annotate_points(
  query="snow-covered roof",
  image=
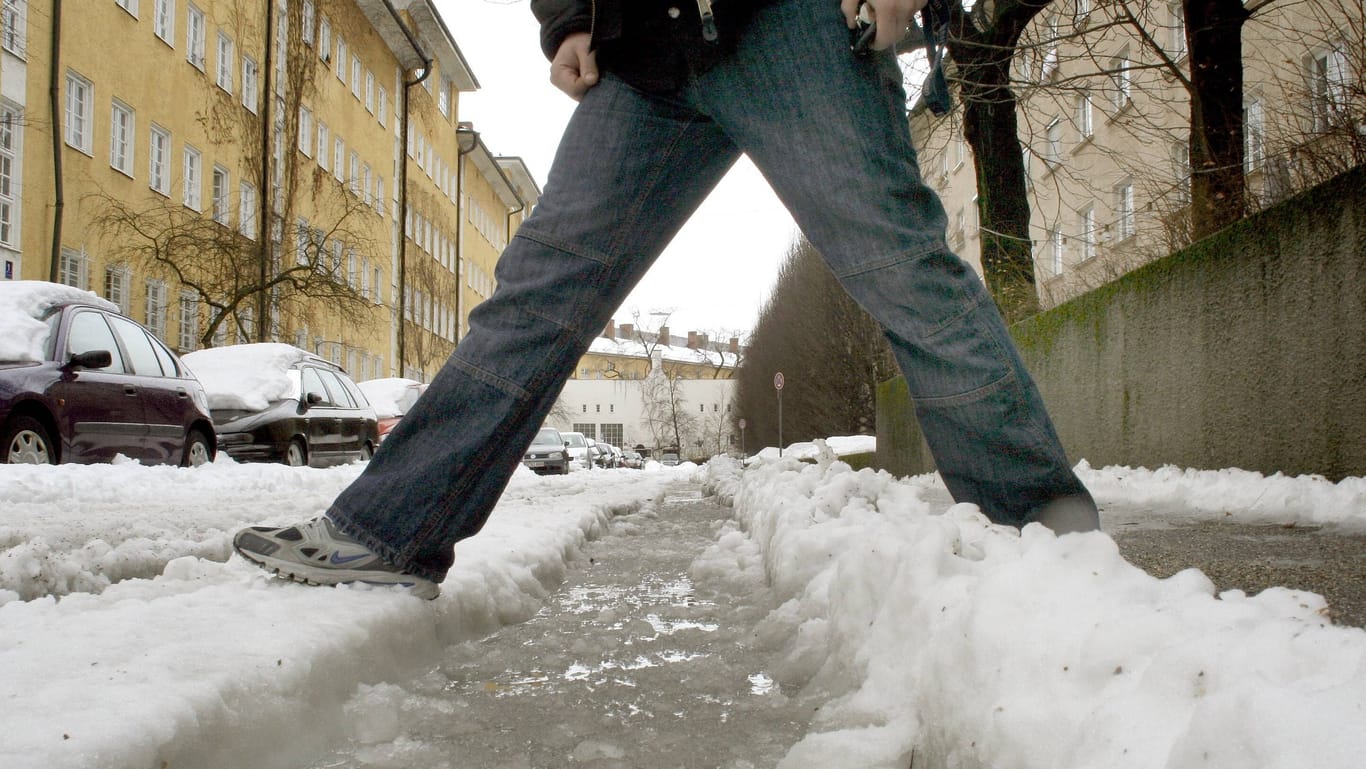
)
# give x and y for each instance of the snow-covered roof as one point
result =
(247, 376)
(633, 348)
(22, 303)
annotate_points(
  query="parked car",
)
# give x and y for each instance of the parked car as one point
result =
(632, 459)
(81, 383)
(391, 398)
(277, 403)
(578, 450)
(669, 458)
(547, 453)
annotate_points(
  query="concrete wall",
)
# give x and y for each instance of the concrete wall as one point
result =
(1246, 350)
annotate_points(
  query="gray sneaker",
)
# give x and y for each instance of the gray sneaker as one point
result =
(316, 552)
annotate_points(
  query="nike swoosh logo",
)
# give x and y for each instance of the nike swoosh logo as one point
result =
(339, 559)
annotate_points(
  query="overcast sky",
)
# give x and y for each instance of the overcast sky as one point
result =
(719, 269)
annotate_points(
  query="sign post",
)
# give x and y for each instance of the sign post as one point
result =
(778, 385)
(743, 455)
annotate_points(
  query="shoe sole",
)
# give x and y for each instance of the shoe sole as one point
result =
(291, 571)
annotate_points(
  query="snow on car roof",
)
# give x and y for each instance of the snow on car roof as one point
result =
(22, 303)
(384, 394)
(246, 376)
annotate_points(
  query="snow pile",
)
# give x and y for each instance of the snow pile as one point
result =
(947, 641)
(1246, 496)
(839, 445)
(170, 656)
(22, 304)
(247, 376)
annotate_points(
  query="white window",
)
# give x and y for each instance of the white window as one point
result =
(1328, 79)
(227, 62)
(365, 185)
(1124, 210)
(193, 178)
(338, 157)
(1176, 31)
(342, 60)
(382, 113)
(356, 70)
(443, 98)
(156, 308)
(189, 321)
(158, 160)
(251, 95)
(370, 91)
(307, 21)
(306, 131)
(221, 189)
(1086, 226)
(80, 95)
(121, 139)
(1053, 143)
(130, 6)
(246, 209)
(379, 194)
(1254, 135)
(1181, 160)
(324, 139)
(194, 36)
(116, 281)
(12, 26)
(354, 177)
(325, 39)
(10, 126)
(163, 20)
(1049, 66)
(1086, 124)
(1121, 81)
(74, 269)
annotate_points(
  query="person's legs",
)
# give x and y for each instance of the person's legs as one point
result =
(629, 171)
(829, 131)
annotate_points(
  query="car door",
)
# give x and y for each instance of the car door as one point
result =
(324, 423)
(351, 421)
(100, 414)
(167, 404)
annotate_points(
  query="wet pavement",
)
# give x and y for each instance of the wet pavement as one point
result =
(629, 664)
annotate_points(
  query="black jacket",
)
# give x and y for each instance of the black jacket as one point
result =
(652, 44)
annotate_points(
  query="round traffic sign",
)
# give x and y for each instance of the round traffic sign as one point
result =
(778, 381)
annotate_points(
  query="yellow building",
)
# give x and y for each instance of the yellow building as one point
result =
(135, 162)
(1104, 123)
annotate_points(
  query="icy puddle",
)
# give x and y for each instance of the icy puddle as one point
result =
(629, 664)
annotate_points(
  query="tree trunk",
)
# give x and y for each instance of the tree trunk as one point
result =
(1214, 30)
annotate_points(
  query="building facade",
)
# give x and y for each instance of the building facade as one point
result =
(1104, 122)
(229, 172)
(653, 391)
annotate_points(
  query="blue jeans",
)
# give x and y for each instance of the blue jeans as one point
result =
(829, 132)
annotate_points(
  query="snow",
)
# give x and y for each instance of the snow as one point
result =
(22, 304)
(386, 393)
(130, 638)
(247, 376)
(636, 349)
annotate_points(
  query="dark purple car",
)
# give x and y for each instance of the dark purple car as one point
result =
(104, 386)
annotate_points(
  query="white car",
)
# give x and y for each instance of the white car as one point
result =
(578, 450)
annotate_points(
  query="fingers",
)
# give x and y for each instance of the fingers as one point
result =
(575, 67)
(892, 18)
(850, 10)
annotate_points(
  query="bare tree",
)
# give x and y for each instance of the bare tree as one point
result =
(263, 268)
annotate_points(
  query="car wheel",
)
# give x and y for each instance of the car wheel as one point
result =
(197, 450)
(366, 452)
(26, 442)
(297, 455)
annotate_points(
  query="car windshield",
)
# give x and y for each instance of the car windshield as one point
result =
(548, 437)
(576, 440)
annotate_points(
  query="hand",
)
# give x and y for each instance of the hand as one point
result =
(892, 18)
(575, 67)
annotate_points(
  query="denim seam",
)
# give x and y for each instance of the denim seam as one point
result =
(490, 378)
(559, 245)
(971, 396)
(900, 258)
